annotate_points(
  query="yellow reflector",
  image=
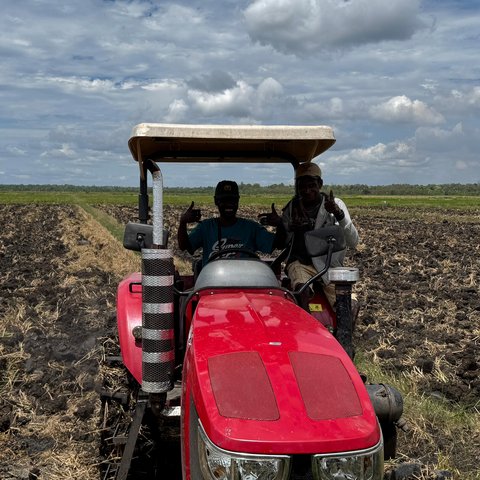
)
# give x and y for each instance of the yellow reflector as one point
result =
(315, 307)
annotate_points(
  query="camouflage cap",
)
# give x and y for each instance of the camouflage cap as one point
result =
(308, 169)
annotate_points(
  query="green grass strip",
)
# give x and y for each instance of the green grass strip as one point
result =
(114, 227)
(128, 198)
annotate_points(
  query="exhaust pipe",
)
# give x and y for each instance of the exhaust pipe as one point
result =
(158, 343)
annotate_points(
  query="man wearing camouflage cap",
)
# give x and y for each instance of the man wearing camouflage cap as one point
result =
(311, 209)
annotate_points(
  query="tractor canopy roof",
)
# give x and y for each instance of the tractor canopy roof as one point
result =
(229, 143)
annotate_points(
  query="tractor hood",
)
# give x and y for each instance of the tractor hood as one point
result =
(269, 378)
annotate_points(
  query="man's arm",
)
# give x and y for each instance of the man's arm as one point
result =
(351, 233)
(189, 216)
(339, 210)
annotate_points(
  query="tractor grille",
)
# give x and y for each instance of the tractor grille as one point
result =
(301, 467)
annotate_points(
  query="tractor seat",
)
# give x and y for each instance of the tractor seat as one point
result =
(239, 272)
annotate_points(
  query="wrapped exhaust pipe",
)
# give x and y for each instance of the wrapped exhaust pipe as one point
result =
(158, 343)
(158, 346)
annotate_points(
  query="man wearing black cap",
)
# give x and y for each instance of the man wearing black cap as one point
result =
(311, 209)
(225, 231)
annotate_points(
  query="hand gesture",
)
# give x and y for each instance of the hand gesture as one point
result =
(271, 218)
(191, 215)
(332, 207)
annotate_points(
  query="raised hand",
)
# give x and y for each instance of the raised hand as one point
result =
(332, 207)
(271, 218)
(191, 215)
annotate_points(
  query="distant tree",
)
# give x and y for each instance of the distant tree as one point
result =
(469, 189)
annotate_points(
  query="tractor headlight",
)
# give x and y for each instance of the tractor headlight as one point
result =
(218, 464)
(361, 465)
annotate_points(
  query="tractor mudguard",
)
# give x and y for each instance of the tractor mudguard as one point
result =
(129, 316)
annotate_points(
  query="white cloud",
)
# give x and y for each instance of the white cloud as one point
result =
(176, 111)
(65, 150)
(336, 106)
(268, 91)
(402, 109)
(242, 100)
(16, 151)
(306, 26)
(443, 141)
(397, 154)
(162, 85)
(466, 100)
(432, 155)
(430, 85)
(75, 83)
(234, 101)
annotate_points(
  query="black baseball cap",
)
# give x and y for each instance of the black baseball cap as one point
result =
(227, 189)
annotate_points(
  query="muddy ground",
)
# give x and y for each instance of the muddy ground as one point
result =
(420, 319)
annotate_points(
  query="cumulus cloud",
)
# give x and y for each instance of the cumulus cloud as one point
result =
(268, 93)
(403, 109)
(177, 111)
(65, 150)
(441, 140)
(465, 100)
(164, 85)
(398, 153)
(431, 155)
(394, 162)
(305, 26)
(234, 101)
(76, 83)
(15, 151)
(241, 100)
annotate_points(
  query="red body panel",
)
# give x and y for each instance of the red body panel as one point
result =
(129, 315)
(322, 311)
(263, 332)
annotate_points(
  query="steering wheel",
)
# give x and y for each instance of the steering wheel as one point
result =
(224, 251)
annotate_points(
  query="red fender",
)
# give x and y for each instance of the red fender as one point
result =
(129, 316)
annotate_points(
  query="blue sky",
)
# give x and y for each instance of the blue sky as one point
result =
(398, 80)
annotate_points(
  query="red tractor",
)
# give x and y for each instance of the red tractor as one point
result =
(225, 360)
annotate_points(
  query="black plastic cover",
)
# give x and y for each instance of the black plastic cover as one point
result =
(140, 235)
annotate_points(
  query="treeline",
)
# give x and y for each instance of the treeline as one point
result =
(280, 189)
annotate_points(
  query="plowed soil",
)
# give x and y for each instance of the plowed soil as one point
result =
(420, 319)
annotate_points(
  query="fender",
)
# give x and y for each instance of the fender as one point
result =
(129, 316)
